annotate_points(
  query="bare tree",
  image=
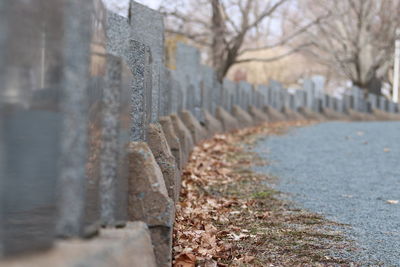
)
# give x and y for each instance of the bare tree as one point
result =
(226, 27)
(356, 40)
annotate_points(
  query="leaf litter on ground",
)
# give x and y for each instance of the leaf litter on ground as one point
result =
(229, 216)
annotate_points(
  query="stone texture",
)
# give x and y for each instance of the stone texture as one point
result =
(164, 158)
(384, 116)
(185, 137)
(259, 117)
(147, 27)
(212, 125)
(126, 247)
(310, 115)
(148, 200)
(228, 122)
(291, 115)
(244, 119)
(331, 114)
(172, 139)
(273, 114)
(196, 130)
(357, 116)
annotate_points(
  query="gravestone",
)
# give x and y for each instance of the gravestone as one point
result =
(167, 101)
(228, 94)
(147, 28)
(373, 101)
(264, 90)
(31, 70)
(382, 102)
(308, 86)
(245, 90)
(137, 57)
(85, 67)
(188, 75)
(207, 87)
(275, 89)
(300, 98)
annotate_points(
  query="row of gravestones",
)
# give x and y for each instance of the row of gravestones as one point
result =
(78, 85)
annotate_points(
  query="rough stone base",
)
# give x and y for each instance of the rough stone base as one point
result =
(273, 114)
(358, 116)
(126, 247)
(259, 117)
(331, 114)
(310, 115)
(172, 139)
(185, 138)
(385, 116)
(244, 118)
(228, 122)
(196, 130)
(291, 115)
(165, 160)
(212, 125)
(148, 199)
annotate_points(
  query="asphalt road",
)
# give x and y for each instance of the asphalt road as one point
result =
(349, 172)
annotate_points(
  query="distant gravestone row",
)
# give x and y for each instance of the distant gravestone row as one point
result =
(79, 84)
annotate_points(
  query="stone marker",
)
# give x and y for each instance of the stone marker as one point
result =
(258, 116)
(31, 71)
(173, 140)
(211, 124)
(228, 94)
(85, 66)
(245, 90)
(196, 130)
(184, 136)
(229, 123)
(188, 74)
(164, 158)
(149, 201)
(147, 27)
(138, 58)
(273, 114)
(116, 136)
(127, 247)
(244, 118)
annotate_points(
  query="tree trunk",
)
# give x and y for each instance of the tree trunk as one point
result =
(218, 31)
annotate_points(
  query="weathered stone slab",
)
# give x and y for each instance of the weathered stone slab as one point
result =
(228, 122)
(116, 136)
(245, 90)
(258, 116)
(273, 114)
(147, 27)
(85, 60)
(139, 60)
(207, 85)
(127, 247)
(310, 115)
(173, 140)
(164, 158)
(188, 74)
(309, 87)
(291, 115)
(212, 125)
(31, 72)
(185, 137)
(149, 201)
(274, 97)
(228, 95)
(196, 130)
(264, 91)
(244, 118)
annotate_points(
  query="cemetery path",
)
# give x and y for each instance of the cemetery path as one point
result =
(347, 172)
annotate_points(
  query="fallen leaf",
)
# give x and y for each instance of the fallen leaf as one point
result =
(185, 260)
(386, 149)
(390, 201)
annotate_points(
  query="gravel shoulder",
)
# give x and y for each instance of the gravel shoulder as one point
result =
(347, 172)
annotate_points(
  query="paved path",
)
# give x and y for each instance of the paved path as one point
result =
(347, 172)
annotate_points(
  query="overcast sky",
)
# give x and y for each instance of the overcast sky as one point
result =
(121, 6)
